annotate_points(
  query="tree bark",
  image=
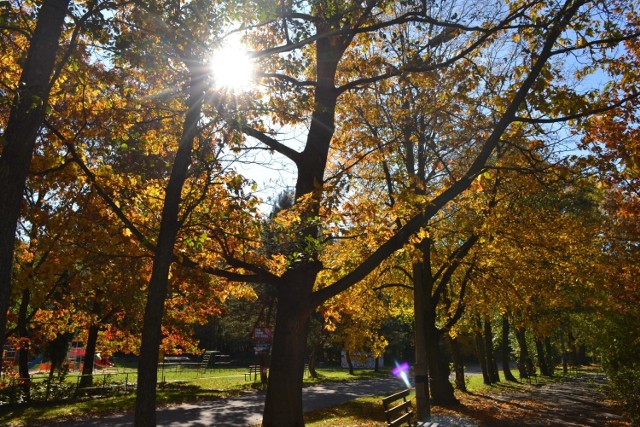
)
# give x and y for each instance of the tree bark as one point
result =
(283, 403)
(25, 119)
(549, 356)
(458, 367)
(506, 351)
(492, 365)
(145, 414)
(442, 392)
(421, 302)
(565, 368)
(347, 355)
(480, 349)
(542, 362)
(89, 355)
(523, 357)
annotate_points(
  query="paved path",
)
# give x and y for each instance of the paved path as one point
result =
(570, 402)
(246, 410)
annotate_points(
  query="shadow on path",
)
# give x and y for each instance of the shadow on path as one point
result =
(569, 402)
(246, 410)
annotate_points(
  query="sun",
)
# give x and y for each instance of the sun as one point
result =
(231, 67)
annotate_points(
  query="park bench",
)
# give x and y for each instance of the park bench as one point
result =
(398, 410)
(253, 370)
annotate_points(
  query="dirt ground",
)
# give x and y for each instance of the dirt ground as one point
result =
(573, 401)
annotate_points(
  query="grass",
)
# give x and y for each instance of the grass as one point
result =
(367, 412)
(184, 385)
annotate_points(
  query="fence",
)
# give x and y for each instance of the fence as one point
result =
(46, 389)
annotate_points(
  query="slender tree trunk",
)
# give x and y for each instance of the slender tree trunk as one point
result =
(480, 349)
(23, 351)
(573, 352)
(347, 355)
(25, 119)
(565, 368)
(549, 356)
(492, 365)
(523, 356)
(542, 362)
(145, 414)
(89, 356)
(506, 351)
(458, 367)
(313, 359)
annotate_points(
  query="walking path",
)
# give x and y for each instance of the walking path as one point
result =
(247, 410)
(569, 402)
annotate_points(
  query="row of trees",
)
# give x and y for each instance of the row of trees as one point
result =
(431, 145)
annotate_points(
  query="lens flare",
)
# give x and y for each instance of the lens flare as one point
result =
(402, 371)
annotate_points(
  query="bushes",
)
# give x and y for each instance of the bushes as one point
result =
(619, 348)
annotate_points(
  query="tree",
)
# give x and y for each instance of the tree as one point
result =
(27, 114)
(337, 32)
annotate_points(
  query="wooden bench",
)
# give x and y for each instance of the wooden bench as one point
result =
(398, 410)
(252, 370)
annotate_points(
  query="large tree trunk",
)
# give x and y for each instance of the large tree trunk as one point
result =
(492, 365)
(283, 404)
(442, 392)
(506, 351)
(89, 355)
(145, 415)
(458, 367)
(25, 119)
(421, 302)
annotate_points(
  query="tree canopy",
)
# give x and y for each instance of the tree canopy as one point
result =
(470, 152)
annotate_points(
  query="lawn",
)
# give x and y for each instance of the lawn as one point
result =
(178, 385)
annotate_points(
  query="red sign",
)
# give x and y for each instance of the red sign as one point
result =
(261, 335)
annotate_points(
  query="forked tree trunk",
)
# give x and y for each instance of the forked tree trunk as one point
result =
(283, 403)
(506, 351)
(25, 119)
